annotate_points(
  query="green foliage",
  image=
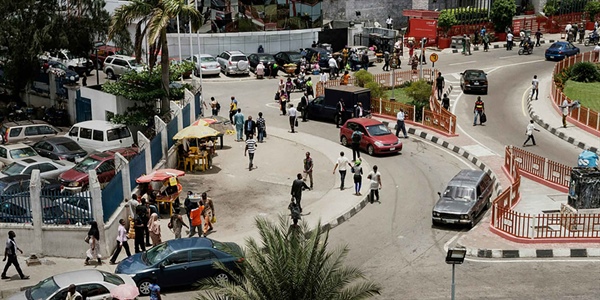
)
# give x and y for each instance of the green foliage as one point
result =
(561, 77)
(464, 15)
(446, 20)
(419, 91)
(571, 6)
(551, 8)
(529, 7)
(592, 8)
(502, 13)
(363, 77)
(585, 72)
(586, 93)
(376, 90)
(290, 262)
(180, 68)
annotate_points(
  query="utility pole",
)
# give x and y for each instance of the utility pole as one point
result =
(422, 58)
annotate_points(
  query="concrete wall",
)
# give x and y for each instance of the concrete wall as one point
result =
(374, 11)
(103, 102)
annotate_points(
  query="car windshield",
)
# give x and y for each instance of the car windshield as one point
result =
(295, 56)
(67, 147)
(13, 169)
(460, 193)
(266, 58)
(156, 254)
(379, 129)
(555, 46)
(205, 59)
(43, 290)
(238, 58)
(87, 164)
(133, 63)
(475, 75)
(22, 152)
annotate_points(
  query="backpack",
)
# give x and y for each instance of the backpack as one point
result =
(355, 137)
(218, 106)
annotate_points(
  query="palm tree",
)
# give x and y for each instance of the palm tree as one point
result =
(290, 262)
(153, 18)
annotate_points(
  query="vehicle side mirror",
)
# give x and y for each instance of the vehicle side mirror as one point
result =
(440, 194)
(461, 73)
(162, 265)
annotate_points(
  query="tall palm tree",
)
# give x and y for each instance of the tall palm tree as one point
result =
(291, 262)
(153, 17)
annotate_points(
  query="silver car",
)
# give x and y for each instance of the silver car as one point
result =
(207, 63)
(117, 65)
(465, 198)
(93, 283)
(49, 169)
(234, 62)
(9, 153)
(370, 53)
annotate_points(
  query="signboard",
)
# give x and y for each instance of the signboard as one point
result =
(433, 57)
(421, 28)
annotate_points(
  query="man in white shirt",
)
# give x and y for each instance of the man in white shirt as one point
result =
(400, 123)
(529, 132)
(389, 21)
(375, 184)
(596, 52)
(333, 67)
(292, 112)
(535, 83)
(565, 111)
(72, 293)
(341, 164)
(509, 41)
(121, 242)
(522, 37)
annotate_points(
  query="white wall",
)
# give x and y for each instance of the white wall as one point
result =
(103, 102)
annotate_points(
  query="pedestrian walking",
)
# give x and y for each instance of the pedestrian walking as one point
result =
(324, 77)
(356, 137)
(72, 293)
(121, 242)
(534, 87)
(414, 63)
(154, 290)
(486, 43)
(293, 113)
(596, 52)
(139, 229)
(446, 102)
(464, 44)
(208, 212)
(400, 116)
(386, 61)
(94, 242)
(341, 164)
(154, 227)
(375, 184)
(565, 111)
(289, 86)
(298, 185)
(440, 83)
(303, 106)
(478, 110)
(308, 168)
(538, 37)
(249, 127)
(283, 100)
(340, 110)
(176, 223)
(215, 106)
(233, 108)
(238, 119)
(509, 41)
(309, 88)
(249, 150)
(357, 170)
(261, 126)
(196, 215)
(468, 44)
(294, 211)
(10, 256)
(529, 133)
(188, 205)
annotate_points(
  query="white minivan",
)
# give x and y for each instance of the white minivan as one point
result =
(100, 135)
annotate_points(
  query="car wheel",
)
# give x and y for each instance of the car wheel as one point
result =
(344, 140)
(144, 287)
(110, 74)
(222, 278)
(488, 204)
(371, 150)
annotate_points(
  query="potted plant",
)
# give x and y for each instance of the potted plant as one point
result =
(529, 9)
(502, 14)
(445, 21)
(592, 8)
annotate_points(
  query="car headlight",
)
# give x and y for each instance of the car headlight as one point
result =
(398, 141)
(436, 214)
(464, 217)
(379, 144)
(74, 183)
(72, 78)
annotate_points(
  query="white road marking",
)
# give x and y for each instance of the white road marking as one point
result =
(510, 56)
(516, 64)
(463, 63)
(456, 75)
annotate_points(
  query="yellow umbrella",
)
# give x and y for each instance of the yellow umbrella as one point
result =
(195, 132)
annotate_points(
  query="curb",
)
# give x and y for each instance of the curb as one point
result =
(534, 253)
(495, 45)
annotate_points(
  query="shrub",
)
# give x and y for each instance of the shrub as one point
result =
(419, 91)
(446, 20)
(592, 8)
(561, 77)
(584, 72)
(376, 90)
(550, 8)
(502, 13)
(363, 77)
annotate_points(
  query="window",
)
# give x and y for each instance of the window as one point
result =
(13, 169)
(108, 60)
(67, 146)
(46, 167)
(3, 152)
(98, 135)
(111, 278)
(14, 132)
(177, 258)
(46, 130)
(106, 167)
(85, 133)
(118, 133)
(74, 131)
(31, 130)
(15, 188)
(120, 62)
(93, 290)
(201, 255)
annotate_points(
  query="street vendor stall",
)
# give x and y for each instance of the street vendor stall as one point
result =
(166, 184)
(195, 158)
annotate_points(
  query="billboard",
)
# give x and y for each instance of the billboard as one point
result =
(419, 28)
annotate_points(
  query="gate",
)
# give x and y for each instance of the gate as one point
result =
(112, 196)
(137, 167)
(83, 107)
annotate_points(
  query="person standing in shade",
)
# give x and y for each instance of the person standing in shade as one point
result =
(298, 185)
(440, 84)
(400, 123)
(375, 178)
(121, 242)
(529, 132)
(209, 213)
(356, 137)
(534, 87)
(446, 102)
(139, 228)
(261, 126)
(357, 169)
(238, 120)
(233, 106)
(340, 110)
(478, 110)
(249, 127)
(308, 168)
(10, 256)
(196, 215)
(292, 113)
(176, 223)
(342, 163)
(249, 150)
(94, 242)
(303, 106)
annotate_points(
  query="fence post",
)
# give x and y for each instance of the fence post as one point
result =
(97, 211)
(160, 127)
(532, 227)
(176, 111)
(546, 173)
(144, 144)
(122, 165)
(35, 188)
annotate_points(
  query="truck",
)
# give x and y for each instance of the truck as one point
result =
(324, 107)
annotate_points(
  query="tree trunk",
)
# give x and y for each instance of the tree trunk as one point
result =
(164, 64)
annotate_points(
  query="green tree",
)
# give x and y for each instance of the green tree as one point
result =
(291, 262)
(153, 17)
(502, 13)
(419, 91)
(446, 20)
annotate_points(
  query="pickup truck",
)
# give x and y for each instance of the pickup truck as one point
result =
(81, 65)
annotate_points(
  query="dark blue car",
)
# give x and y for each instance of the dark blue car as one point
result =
(560, 50)
(181, 262)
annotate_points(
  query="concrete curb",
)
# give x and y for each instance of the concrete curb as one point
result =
(537, 119)
(534, 253)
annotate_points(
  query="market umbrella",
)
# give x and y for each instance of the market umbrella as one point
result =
(195, 132)
(125, 292)
(201, 122)
(160, 175)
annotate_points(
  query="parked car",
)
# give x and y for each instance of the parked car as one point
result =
(561, 50)
(100, 135)
(255, 58)
(76, 207)
(59, 148)
(465, 198)
(93, 283)
(208, 64)
(103, 51)
(16, 184)
(474, 81)
(233, 62)
(27, 132)
(49, 169)
(12, 152)
(180, 262)
(117, 65)
(288, 57)
(77, 178)
(372, 55)
(14, 210)
(321, 55)
(81, 65)
(70, 75)
(376, 139)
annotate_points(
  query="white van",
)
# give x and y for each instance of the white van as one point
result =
(100, 135)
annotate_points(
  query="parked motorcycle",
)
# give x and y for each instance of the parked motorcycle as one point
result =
(17, 113)
(591, 39)
(300, 83)
(56, 117)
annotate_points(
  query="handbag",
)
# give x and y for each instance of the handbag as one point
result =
(214, 219)
(483, 118)
(296, 123)
(87, 239)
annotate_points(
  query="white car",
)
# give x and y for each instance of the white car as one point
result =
(49, 169)
(93, 283)
(12, 152)
(80, 65)
(208, 64)
(370, 53)
(117, 65)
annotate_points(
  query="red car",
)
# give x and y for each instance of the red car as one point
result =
(376, 139)
(76, 179)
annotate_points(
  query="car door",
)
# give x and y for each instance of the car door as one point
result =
(94, 291)
(366, 138)
(48, 170)
(253, 59)
(315, 108)
(44, 149)
(174, 270)
(31, 134)
(201, 263)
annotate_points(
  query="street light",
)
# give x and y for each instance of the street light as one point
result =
(455, 256)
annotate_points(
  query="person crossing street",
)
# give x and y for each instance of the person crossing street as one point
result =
(478, 111)
(529, 132)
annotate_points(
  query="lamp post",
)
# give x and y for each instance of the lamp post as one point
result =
(422, 58)
(455, 256)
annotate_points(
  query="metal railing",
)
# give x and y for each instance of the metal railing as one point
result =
(56, 207)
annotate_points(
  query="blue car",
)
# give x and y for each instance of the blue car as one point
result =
(560, 50)
(181, 262)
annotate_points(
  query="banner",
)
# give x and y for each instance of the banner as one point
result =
(419, 28)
